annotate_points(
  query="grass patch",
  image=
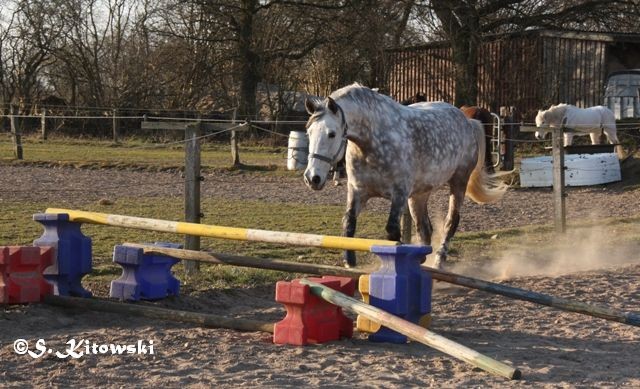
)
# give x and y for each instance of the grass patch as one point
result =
(136, 154)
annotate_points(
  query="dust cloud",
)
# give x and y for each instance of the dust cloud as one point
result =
(580, 249)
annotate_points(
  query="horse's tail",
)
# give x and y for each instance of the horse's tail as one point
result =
(482, 186)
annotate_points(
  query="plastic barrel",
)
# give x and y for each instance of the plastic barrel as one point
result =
(298, 150)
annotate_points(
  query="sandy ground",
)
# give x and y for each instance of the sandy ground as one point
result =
(552, 348)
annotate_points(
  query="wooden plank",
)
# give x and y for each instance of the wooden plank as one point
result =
(560, 215)
(168, 125)
(181, 125)
(414, 331)
(192, 180)
(202, 319)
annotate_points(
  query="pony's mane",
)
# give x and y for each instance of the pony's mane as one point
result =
(556, 113)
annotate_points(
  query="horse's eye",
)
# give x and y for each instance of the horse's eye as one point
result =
(332, 135)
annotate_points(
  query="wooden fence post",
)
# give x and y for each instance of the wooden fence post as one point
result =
(510, 133)
(15, 132)
(192, 180)
(235, 155)
(560, 216)
(43, 123)
(115, 126)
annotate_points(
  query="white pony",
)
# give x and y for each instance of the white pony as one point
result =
(593, 121)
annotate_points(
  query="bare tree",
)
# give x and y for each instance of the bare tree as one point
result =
(27, 37)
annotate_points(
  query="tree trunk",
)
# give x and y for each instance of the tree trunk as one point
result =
(460, 23)
(249, 67)
(465, 57)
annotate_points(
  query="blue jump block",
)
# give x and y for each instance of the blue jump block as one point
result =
(144, 276)
(72, 259)
(400, 287)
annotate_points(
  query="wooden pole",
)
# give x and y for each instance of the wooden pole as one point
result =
(192, 180)
(560, 213)
(16, 133)
(222, 232)
(114, 125)
(259, 263)
(235, 154)
(440, 275)
(414, 331)
(201, 319)
(43, 123)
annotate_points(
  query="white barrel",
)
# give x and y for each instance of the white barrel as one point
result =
(298, 150)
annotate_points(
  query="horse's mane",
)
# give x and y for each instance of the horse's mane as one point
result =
(556, 113)
(360, 94)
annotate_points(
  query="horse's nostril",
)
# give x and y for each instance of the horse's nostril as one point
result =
(315, 180)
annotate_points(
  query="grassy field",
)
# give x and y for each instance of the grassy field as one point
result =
(134, 153)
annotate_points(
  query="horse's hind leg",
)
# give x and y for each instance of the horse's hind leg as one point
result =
(355, 202)
(451, 222)
(613, 139)
(420, 215)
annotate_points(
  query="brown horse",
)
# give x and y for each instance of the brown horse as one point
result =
(485, 117)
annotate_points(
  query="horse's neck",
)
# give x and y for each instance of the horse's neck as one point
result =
(358, 122)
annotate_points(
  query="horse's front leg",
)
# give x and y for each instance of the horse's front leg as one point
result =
(568, 139)
(420, 215)
(356, 199)
(451, 223)
(398, 204)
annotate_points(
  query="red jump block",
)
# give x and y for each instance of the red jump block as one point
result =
(311, 319)
(21, 279)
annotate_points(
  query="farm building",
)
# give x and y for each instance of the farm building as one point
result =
(528, 70)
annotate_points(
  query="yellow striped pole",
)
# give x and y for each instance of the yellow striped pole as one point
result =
(222, 232)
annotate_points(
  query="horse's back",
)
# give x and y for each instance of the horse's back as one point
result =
(584, 118)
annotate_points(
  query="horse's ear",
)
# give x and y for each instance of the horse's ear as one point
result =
(310, 106)
(332, 105)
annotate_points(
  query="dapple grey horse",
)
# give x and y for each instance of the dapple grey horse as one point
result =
(398, 153)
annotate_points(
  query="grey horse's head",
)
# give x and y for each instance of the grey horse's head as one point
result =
(327, 131)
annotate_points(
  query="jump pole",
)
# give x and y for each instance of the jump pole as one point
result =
(222, 232)
(440, 275)
(201, 319)
(414, 331)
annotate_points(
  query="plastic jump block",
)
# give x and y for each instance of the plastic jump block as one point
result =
(362, 323)
(400, 287)
(72, 253)
(365, 325)
(21, 279)
(309, 318)
(144, 276)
